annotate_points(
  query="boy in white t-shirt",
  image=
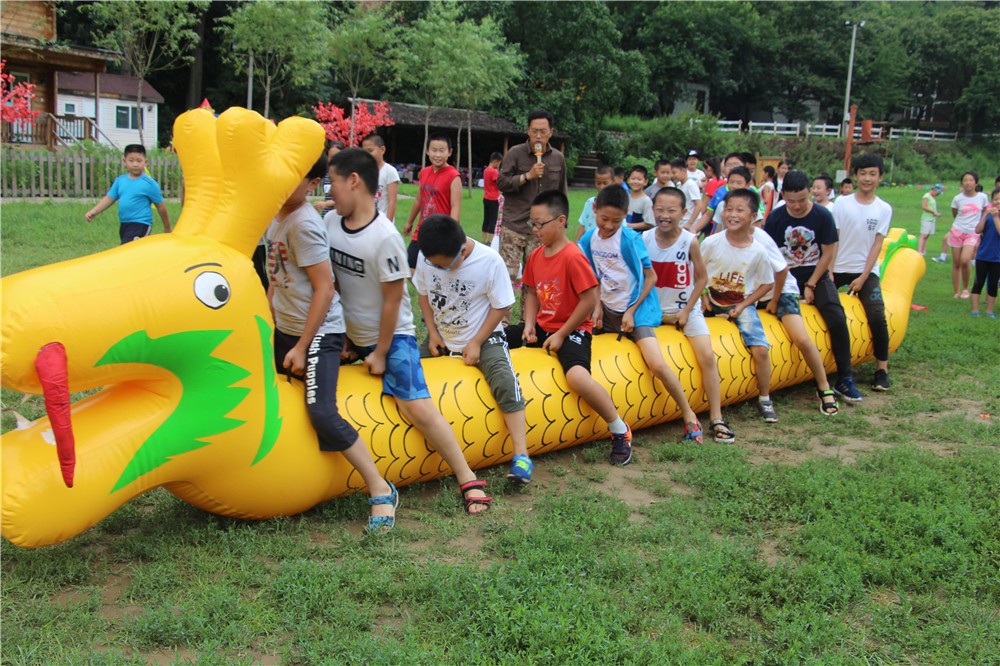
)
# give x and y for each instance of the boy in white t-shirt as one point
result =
(691, 191)
(627, 304)
(739, 274)
(388, 177)
(694, 173)
(680, 274)
(370, 264)
(309, 333)
(465, 292)
(822, 190)
(862, 220)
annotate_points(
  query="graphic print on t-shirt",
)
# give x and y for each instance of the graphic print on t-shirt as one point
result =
(277, 255)
(549, 296)
(800, 247)
(450, 297)
(348, 262)
(428, 193)
(728, 288)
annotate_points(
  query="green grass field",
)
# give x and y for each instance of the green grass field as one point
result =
(870, 538)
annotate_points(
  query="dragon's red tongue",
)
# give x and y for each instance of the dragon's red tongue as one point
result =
(52, 372)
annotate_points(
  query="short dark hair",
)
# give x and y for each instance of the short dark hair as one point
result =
(743, 172)
(441, 235)
(795, 181)
(543, 114)
(554, 200)
(867, 161)
(376, 139)
(640, 169)
(738, 156)
(679, 163)
(134, 148)
(745, 193)
(330, 145)
(671, 192)
(825, 177)
(496, 157)
(995, 192)
(605, 170)
(318, 169)
(619, 172)
(847, 181)
(659, 163)
(749, 158)
(438, 136)
(356, 160)
(613, 196)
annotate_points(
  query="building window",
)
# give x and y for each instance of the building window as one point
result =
(70, 109)
(127, 117)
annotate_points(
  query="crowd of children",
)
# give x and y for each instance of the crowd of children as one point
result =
(688, 245)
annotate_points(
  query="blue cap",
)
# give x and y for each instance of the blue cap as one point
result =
(939, 187)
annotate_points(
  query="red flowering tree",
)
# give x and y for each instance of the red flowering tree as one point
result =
(15, 98)
(352, 129)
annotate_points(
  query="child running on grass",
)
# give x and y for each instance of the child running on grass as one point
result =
(967, 208)
(309, 333)
(369, 262)
(465, 292)
(134, 191)
(739, 274)
(627, 303)
(680, 274)
(560, 294)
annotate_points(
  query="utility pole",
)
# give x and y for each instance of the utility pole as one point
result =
(850, 73)
(250, 81)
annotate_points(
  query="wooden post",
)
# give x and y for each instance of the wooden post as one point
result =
(850, 138)
(97, 102)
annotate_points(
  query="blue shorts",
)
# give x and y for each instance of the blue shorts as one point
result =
(788, 304)
(751, 330)
(404, 376)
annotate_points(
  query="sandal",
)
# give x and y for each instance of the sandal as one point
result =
(476, 484)
(722, 432)
(379, 524)
(693, 433)
(828, 408)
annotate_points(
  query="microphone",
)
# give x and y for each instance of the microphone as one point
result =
(538, 153)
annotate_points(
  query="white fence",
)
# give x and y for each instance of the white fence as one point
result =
(922, 135)
(778, 129)
(833, 131)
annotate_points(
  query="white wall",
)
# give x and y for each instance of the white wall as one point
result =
(120, 137)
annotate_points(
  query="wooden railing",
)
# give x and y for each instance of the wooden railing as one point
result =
(52, 131)
(44, 173)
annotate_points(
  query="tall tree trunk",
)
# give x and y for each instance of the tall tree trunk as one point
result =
(427, 124)
(267, 96)
(197, 68)
(469, 130)
(354, 96)
(458, 151)
(138, 111)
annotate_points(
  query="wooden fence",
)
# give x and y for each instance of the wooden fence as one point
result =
(42, 173)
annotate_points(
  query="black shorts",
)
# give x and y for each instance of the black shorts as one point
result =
(322, 369)
(412, 252)
(491, 208)
(130, 231)
(575, 351)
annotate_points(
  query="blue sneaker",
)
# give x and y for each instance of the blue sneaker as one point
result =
(521, 468)
(846, 389)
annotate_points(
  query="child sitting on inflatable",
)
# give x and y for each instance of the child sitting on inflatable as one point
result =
(465, 292)
(627, 304)
(560, 293)
(309, 333)
(680, 273)
(370, 263)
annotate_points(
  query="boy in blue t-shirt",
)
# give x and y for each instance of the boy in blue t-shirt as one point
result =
(134, 192)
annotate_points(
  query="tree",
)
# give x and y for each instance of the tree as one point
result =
(351, 130)
(279, 43)
(487, 71)
(15, 98)
(362, 35)
(150, 36)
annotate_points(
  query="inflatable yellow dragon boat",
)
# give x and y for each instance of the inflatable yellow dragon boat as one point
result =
(177, 331)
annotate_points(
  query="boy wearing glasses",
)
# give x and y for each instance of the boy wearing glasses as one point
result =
(560, 293)
(464, 294)
(369, 263)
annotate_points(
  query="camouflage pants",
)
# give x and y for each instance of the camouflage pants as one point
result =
(515, 248)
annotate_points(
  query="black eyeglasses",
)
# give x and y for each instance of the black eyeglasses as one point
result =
(450, 266)
(539, 225)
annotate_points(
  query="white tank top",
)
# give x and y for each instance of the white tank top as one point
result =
(674, 270)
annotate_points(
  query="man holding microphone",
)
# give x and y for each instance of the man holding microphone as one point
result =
(528, 169)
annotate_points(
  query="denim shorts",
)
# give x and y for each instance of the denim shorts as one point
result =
(404, 376)
(751, 330)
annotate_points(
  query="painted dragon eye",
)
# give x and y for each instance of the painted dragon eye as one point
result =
(212, 289)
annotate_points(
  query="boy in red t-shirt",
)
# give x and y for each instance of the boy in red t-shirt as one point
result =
(560, 292)
(491, 197)
(440, 192)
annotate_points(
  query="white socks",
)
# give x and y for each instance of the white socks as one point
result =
(617, 427)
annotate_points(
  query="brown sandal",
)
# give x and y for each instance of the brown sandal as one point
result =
(477, 484)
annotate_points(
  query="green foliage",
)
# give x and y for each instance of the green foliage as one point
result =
(361, 37)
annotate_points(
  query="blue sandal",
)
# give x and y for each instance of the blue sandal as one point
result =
(378, 524)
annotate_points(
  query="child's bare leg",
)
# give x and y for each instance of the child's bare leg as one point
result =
(922, 244)
(653, 357)
(956, 269)
(487, 238)
(762, 359)
(974, 300)
(595, 395)
(518, 428)
(796, 329)
(709, 374)
(361, 458)
(968, 254)
(428, 420)
(990, 303)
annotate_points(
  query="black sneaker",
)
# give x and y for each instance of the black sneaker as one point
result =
(767, 411)
(621, 448)
(881, 381)
(846, 389)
